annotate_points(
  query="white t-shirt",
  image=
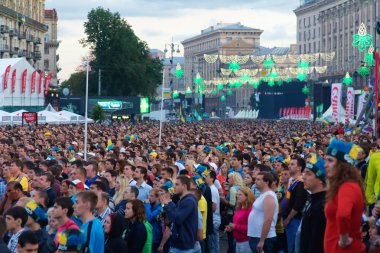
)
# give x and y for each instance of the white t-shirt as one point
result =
(256, 216)
(215, 199)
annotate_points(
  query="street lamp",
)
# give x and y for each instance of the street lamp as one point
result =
(172, 50)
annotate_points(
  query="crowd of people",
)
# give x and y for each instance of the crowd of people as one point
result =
(263, 186)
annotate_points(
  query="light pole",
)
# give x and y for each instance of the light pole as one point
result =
(162, 106)
(172, 50)
(85, 113)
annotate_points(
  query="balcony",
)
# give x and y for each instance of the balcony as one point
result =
(36, 55)
(37, 40)
(13, 32)
(4, 29)
(29, 38)
(52, 43)
(21, 53)
(22, 36)
(4, 48)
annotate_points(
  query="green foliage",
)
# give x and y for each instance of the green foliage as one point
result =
(97, 113)
(127, 68)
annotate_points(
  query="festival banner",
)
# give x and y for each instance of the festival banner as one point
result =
(23, 81)
(350, 102)
(40, 83)
(361, 103)
(47, 83)
(336, 93)
(14, 81)
(33, 82)
(6, 74)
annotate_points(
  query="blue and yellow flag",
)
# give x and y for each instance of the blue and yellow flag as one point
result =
(197, 116)
(182, 118)
(326, 121)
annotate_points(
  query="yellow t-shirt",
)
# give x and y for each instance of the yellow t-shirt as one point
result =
(202, 206)
(22, 180)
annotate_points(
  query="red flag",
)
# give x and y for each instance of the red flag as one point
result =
(6, 74)
(14, 81)
(40, 83)
(47, 83)
(23, 81)
(33, 82)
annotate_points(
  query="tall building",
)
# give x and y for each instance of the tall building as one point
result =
(329, 26)
(22, 28)
(51, 45)
(221, 39)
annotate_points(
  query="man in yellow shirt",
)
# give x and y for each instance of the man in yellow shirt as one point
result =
(17, 175)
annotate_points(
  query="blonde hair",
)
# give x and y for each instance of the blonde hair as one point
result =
(190, 163)
(124, 183)
(250, 198)
(238, 180)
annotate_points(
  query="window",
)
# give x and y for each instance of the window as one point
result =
(46, 50)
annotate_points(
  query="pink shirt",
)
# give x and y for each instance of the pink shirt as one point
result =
(240, 220)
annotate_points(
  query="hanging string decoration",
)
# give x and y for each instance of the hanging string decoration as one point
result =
(362, 39)
(179, 71)
(245, 78)
(273, 74)
(220, 86)
(188, 90)
(271, 82)
(210, 58)
(225, 72)
(280, 82)
(327, 56)
(347, 79)
(303, 64)
(301, 76)
(222, 98)
(229, 92)
(288, 79)
(368, 57)
(214, 92)
(364, 71)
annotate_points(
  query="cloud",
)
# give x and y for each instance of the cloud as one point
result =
(158, 21)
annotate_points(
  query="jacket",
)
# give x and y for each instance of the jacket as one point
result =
(184, 219)
(313, 224)
(372, 181)
(46, 243)
(152, 213)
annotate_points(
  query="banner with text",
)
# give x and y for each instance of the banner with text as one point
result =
(336, 95)
(350, 103)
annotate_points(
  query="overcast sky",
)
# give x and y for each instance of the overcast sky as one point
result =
(157, 21)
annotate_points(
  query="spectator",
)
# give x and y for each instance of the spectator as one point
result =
(213, 240)
(313, 219)
(93, 230)
(111, 175)
(113, 229)
(37, 220)
(183, 215)
(3, 227)
(239, 224)
(46, 181)
(139, 236)
(15, 218)
(102, 208)
(91, 173)
(153, 210)
(263, 217)
(345, 200)
(52, 226)
(296, 197)
(13, 194)
(121, 185)
(144, 189)
(17, 175)
(130, 193)
(28, 242)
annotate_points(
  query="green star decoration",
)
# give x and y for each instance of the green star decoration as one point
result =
(347, 79)
(303, 65)
(175, 94)
(271, 82)
(179, 71)
(302, 76)
(245, 78)
(238, 84)
(268, 63)
(280, 82)
(273, 74)
(214, 92)
(362, 39)
(188, 90)
(305, 90)
(231, 85)
(198, 79)
(229, 92)
(288, 79)
(222, 98)
(369, 59)
(234, 66)
(220, 86)
(364, 71)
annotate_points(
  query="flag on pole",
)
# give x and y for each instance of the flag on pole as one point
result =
(181, 115)
(197, 116)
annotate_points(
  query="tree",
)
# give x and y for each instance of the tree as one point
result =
(97, 113)
(127, 68)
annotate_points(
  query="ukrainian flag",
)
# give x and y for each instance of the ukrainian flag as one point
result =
(197, 116)
(182, 118)
(326, 120)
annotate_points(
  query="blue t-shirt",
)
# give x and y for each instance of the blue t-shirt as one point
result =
(96, 243)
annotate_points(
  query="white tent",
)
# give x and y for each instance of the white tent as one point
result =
(247, 114)
(5, 117)
(329, 114)
(17, 97)
(53, 118)
(73, 117)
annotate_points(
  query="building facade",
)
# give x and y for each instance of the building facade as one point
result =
(329, 26)
(51, 44)
(22, 28)
(221, 39)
